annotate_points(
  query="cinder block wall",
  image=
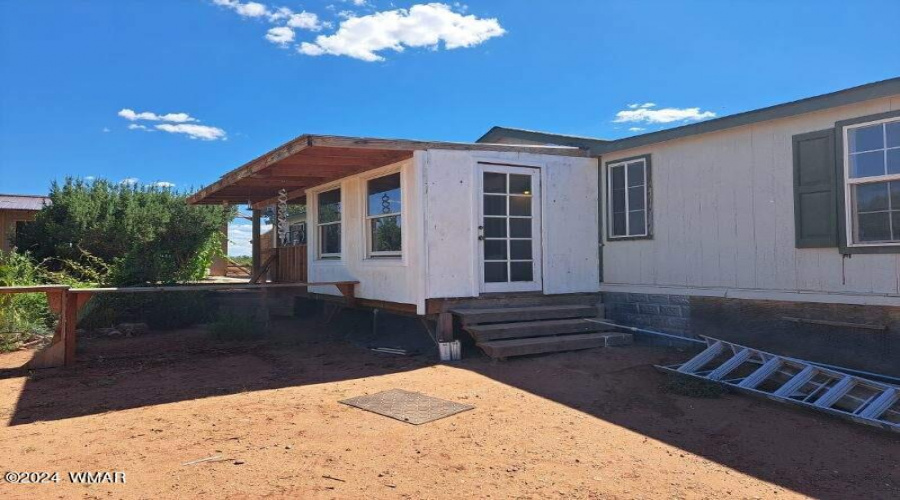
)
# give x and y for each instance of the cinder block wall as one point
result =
(762, 324)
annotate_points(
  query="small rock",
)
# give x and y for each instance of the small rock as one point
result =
(238, 462)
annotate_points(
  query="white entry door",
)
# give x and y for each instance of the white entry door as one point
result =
(509, 232)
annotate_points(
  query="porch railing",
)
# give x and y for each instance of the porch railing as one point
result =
(289, 265)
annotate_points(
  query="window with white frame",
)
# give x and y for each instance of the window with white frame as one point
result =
(329, 224)
(628, 184)
(383, 223)
(872, 177)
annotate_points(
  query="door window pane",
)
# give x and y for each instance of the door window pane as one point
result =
(874, 227)
(521, 271)
(895, 195)
(384, 195)
(519, 184)
(520, 228)
(867, 164)
(494, 183)
(520, 249)
(494, 227)
(866, 138)
(495, 272)
(495, 249)
(494, 205)
(386, 235)
(520, 205)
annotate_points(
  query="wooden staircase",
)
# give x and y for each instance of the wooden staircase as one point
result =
(532, 327)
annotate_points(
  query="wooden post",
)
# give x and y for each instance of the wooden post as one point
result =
(256, 243)
(445, 327)
(71, 325)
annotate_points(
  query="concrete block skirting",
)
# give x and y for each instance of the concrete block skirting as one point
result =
(865, 337)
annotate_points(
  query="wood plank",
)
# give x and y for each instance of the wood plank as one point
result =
(534, 329)
(207, 287)
(32, 288)
(445, 327)
(501, 314)
(540, 345)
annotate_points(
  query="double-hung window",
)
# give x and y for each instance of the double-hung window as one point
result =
(383, 224)
(329, 224)
(628, 183)
(872, 177)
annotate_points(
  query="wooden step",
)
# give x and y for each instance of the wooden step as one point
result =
(483, 333)
(518, 314)
(539, 345)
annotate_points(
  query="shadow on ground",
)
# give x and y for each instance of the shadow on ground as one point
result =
(809, 453)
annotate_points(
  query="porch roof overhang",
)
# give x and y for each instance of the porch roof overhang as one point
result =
(313, 160)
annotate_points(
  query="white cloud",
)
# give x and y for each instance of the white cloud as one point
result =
(423, 25)
(106, 130)
(129, 181)
(164, 184)
(193, 131)
(284, 16)
(89, 178)
(646, 113)
(175, 123)
(131, 115)
(282, 35)
(247, 9)
(305, 21)
(239, 235)
(636, 129)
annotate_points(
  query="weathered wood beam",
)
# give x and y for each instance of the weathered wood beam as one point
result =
(291, 195)
(256, 242)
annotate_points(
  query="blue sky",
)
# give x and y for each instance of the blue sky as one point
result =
(244, 77)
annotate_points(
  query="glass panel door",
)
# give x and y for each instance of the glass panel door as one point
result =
(510, 229)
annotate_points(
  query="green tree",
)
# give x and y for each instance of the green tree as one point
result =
(136, 234)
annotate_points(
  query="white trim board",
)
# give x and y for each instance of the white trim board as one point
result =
(756, 294)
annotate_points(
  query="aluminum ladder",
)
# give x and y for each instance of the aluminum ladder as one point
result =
(794, 381)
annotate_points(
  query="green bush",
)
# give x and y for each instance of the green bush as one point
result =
(25, 315)
(126, 235)
(107, 234)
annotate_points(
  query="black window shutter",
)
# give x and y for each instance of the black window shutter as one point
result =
(815, 188)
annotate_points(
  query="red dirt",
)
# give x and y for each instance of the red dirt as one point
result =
(590, 424)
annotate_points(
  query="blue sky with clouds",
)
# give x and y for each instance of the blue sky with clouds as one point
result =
(178, 91)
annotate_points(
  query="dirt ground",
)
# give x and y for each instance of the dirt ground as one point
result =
(589, 424)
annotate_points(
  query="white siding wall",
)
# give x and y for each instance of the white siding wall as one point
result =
(388, 279)
(723, 222)
(569, 229)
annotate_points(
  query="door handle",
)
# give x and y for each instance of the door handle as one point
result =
(480, 233)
